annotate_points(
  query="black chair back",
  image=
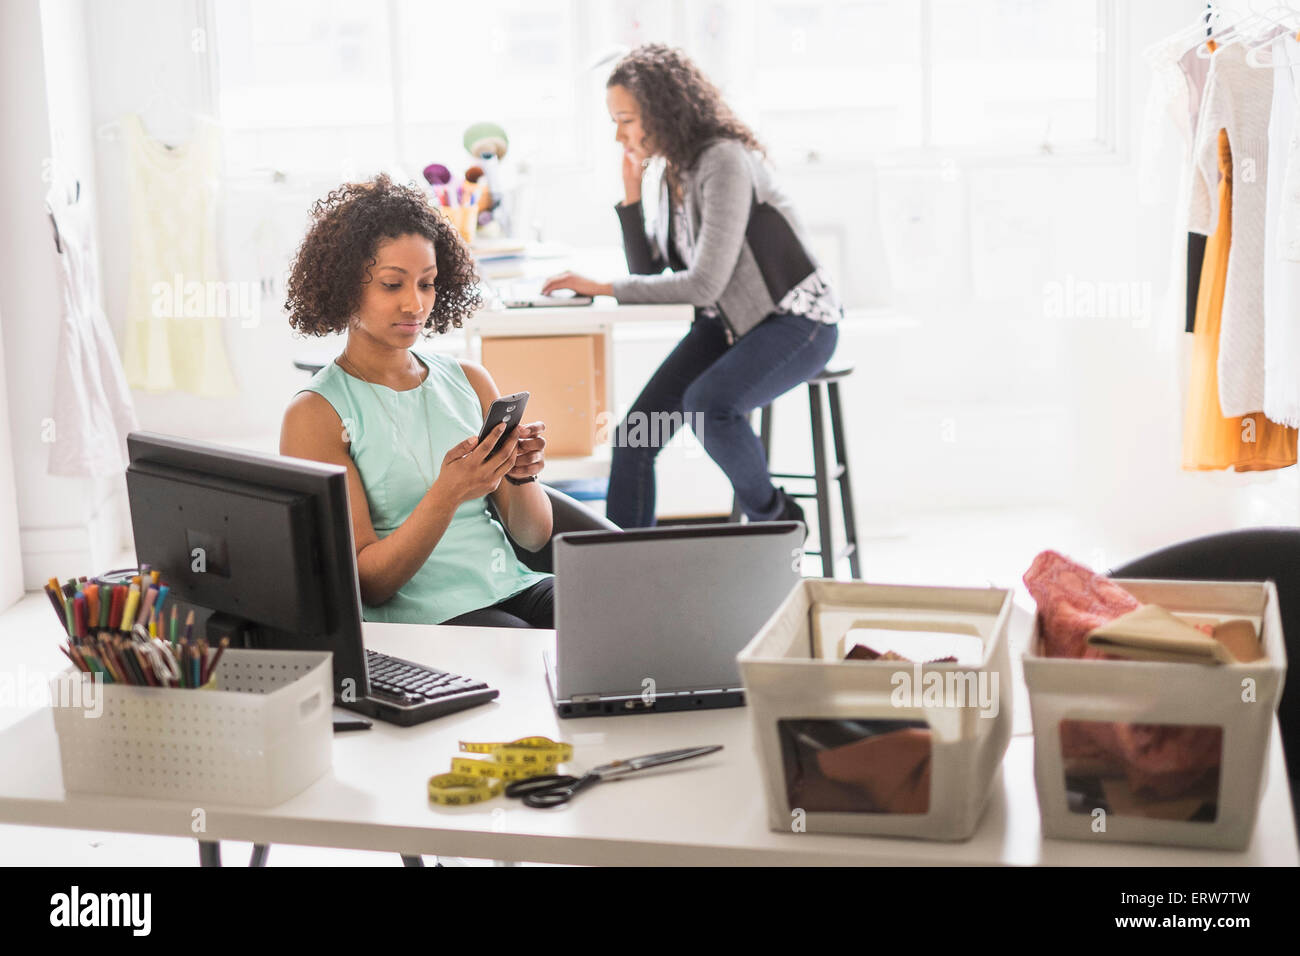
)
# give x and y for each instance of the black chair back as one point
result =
(569, 515)
(1252, 554)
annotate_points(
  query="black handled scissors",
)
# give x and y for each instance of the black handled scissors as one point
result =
(553, 789)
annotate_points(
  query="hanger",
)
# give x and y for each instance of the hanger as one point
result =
(49, 209)
(163, 94)
(1253, 54)
(1253, 26)
(1204, 25)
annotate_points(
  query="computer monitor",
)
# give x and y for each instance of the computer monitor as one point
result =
(263, 541)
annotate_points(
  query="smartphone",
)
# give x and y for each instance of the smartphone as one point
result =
(508, 409)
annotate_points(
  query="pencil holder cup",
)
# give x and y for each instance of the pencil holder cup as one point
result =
(464, 218)
(261, 733)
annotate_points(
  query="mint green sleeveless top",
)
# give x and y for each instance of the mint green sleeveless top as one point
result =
(473, 565)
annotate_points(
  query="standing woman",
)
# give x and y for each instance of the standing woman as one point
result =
(765, 313)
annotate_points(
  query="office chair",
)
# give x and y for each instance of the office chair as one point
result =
(569, 515)
(1253, 554)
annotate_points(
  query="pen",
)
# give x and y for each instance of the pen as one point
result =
(75, 662)
(146, 603)
(96, 667)
(146, 665)
(118, 604)
(56, 598)
(132, 605)
(216, 658)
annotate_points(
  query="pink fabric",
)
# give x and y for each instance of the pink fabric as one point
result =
(1158, 760)
(1072, 601)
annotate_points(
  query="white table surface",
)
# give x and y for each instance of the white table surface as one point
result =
(707, 811)
(603, 312)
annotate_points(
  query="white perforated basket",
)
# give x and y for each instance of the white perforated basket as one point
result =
(263, 734)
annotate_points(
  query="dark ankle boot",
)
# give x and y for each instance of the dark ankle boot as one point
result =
(790, 511)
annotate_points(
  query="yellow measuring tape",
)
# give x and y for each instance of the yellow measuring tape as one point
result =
(472, 780)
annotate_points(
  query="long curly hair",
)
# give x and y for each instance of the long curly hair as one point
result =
(681, 111)
(333, 262)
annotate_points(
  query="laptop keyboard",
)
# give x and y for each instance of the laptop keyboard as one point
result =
(408, 684)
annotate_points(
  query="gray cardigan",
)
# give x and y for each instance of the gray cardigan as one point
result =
(749, 246)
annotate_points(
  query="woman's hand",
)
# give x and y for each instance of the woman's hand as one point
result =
(531, 452)
(580, 285)
(467, 470)
(632, 173)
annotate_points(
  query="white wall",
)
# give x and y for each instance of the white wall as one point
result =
(67, 526)
(11, 564)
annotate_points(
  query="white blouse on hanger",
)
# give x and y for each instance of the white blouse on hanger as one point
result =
(1282, 240)
(1238, 98)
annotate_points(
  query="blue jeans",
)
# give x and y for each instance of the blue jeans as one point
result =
(714, 386)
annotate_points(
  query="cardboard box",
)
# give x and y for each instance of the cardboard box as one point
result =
(880, 747)
(565, 378)
(1135, 761)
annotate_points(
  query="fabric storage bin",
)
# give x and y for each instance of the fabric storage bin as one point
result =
(1137, 763)
(261, 735)
(880, 747)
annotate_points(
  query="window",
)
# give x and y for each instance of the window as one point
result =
(512, 62)
(362, 84)
(304, 86)
(848, 79)
(982, 55)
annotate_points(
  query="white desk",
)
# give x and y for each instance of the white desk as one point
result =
(708, 811)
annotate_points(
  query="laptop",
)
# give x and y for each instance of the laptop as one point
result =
(652, 620)
(528, 295)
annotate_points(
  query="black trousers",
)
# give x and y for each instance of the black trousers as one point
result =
(532, 607)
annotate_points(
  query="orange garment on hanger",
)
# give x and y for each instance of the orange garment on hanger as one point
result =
(1210, 441)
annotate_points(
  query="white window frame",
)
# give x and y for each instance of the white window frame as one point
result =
(1107, 148)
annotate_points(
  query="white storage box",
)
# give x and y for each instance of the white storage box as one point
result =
(1191, 773)
(262, 735)
(880, 747)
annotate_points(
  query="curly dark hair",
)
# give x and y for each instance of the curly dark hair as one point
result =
(338, 252)
(681, 111)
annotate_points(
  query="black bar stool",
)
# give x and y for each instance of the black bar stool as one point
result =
(829, 380)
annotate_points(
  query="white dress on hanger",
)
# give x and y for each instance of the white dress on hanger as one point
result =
(93, 411)
(1282, 241)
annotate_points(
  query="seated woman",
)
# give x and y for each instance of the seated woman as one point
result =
(381, 264)
(765, 311)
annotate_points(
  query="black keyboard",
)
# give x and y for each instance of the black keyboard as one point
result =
(409, 693)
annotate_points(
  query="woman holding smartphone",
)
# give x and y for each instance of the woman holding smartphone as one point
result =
(380, 264)
(765, 313)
